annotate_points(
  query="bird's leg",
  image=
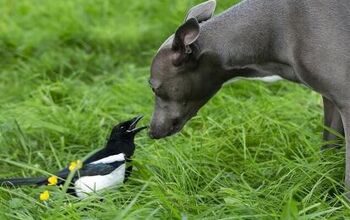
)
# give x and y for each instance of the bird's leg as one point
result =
(128, 170)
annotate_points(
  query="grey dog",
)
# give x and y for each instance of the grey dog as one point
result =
(304, 41)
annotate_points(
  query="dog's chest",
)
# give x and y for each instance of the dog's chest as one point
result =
(88, 184)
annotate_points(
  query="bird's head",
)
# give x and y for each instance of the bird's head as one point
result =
(127, 130)
(121, 139)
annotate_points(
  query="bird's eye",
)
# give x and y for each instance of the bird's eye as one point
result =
(122, 127)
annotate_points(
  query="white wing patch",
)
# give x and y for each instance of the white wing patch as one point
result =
(89, 184)
(110, 159)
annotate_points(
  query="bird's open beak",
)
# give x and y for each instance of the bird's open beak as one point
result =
(132, 126)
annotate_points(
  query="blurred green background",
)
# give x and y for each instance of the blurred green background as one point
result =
(71, 69)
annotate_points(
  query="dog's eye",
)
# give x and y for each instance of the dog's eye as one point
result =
(149, 82)
(151, 85)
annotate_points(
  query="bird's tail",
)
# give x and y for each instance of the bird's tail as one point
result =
(23, 181)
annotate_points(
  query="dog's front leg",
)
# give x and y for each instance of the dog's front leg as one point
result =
(333, 125)
(345, 113)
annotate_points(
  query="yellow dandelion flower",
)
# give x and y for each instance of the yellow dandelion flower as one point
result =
(52, 180)
(79, 164)
(75, 165)
(44, 196)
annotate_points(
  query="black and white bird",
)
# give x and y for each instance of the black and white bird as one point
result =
(105, 168)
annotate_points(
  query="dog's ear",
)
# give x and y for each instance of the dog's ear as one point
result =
(202, 12)
(184, 37)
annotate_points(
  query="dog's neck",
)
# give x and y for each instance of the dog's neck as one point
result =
(247, 39)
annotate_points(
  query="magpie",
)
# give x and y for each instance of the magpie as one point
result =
(103, 169)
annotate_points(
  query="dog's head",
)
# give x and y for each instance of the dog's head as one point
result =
(182, 75)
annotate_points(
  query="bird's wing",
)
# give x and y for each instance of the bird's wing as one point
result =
(87, 170)
(91, 170)
(99, 168)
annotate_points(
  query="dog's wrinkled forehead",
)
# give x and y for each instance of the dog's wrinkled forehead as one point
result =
(162, 66)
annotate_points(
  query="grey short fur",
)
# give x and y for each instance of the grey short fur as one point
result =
(304, 41)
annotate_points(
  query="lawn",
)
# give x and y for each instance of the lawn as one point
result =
(71, 69)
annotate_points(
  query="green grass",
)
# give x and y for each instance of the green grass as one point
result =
(70, 70)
